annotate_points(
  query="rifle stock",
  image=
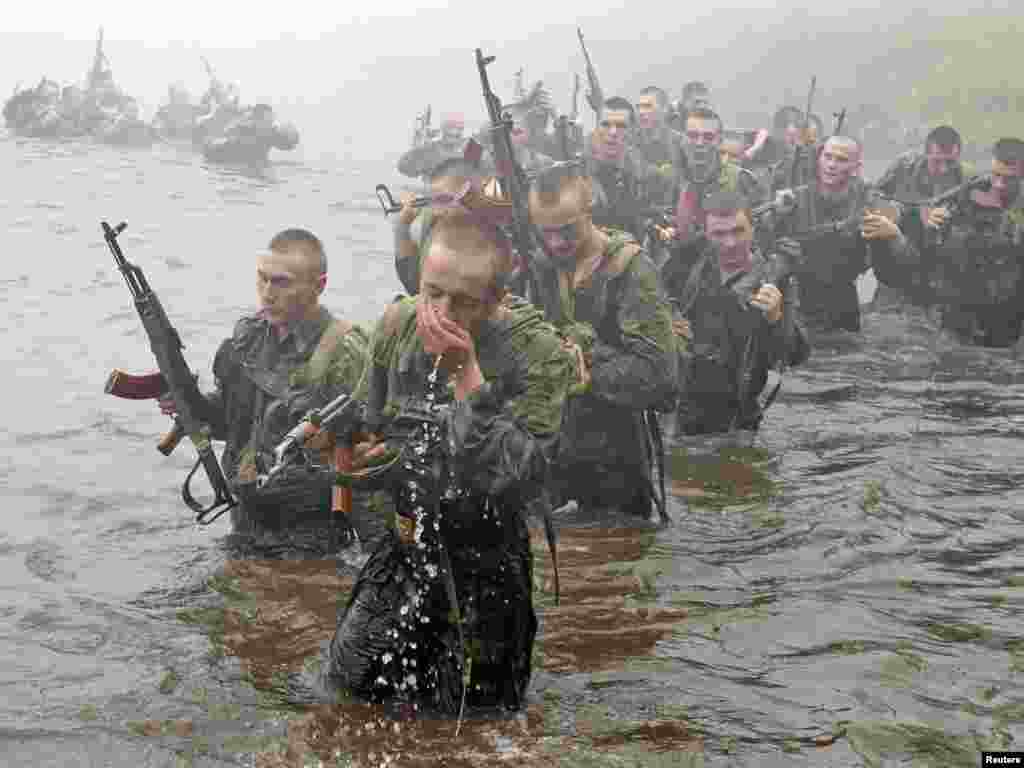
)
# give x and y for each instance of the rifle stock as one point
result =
(177, 380)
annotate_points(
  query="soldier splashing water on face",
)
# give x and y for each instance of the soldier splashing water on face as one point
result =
(466, 386)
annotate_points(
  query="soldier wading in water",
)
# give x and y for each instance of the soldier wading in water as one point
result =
(466, 386)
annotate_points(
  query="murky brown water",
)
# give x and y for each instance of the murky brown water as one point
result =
(843, 591)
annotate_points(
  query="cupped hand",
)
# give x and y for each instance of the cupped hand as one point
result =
(768, 299)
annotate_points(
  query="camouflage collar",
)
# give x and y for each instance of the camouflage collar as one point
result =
(304, 334)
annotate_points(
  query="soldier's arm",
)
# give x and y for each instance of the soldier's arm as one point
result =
(889, 181)
(214, 409)
(642, 372)
(788, 337)
(505, 432)
(408, 247)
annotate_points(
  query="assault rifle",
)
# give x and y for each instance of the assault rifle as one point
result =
(173, 378)
(513, 182)
(98, 60)
(802, 152)
(955, 201)
(595, 97)
(575, 114)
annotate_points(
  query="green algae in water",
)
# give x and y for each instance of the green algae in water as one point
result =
(1016, 650)
(847, 647)
(791, 746)
(958, 633)
(168, 682)
(898, 670)
(253, 743)
(872, 500)
(226, 711)
(200, 696)
(731, 479)
(927, 746)
(182, 760)
(88, 713)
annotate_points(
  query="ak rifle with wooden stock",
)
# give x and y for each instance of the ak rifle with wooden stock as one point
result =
(174, 379)
(513, 181)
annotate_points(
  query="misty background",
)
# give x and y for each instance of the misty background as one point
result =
(353, 81)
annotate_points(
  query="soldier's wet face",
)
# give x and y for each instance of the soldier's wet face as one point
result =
(452, 130)
(702, 131)
(792, 135)
(1006, 180)
(648, 111)
(562, 225)
(942, 159)
(458, 288)
(520, 135)
(732, 232)
(611, 132)
(289, 285)
(838, 162)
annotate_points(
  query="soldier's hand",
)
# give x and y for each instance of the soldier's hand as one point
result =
(368, 452)
(319, 439)
(408, 212)
(768, 299)
(875, 226)
(167, 406)
(681, 327)
(583, 372)
(936, 217)
(665, 234)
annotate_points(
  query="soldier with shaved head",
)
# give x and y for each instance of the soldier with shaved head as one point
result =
(843, 231)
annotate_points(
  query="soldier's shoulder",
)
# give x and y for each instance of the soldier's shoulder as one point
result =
(249, 326)
(397, 316)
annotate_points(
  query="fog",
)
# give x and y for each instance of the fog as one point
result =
(354, 83)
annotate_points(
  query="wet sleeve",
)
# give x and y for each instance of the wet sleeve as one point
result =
(504, 433)
(215, 406)
(417, 161)
(372, 387)
(642, 372)
(410, 250)
(788, 336)
(889, 180)
(896, 262)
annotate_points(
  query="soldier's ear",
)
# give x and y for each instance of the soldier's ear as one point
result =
(321, 283)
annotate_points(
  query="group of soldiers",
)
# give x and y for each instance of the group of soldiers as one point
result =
(219, 126)
(100, 109)
(665, 277)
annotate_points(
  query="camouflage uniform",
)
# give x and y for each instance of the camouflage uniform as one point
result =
(501, 439)
(976, 277)
(833, 261)
(264, 385)
(621, 321)
(661, 154)
(733, 346)
(907, 178)
(620, 192)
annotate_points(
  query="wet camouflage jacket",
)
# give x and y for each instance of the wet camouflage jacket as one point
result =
(503, 434)
(976, 276)
(622, 322)
(621, 191)
(254, 369)
(907, 178)
(732, 345)
(832, 262)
